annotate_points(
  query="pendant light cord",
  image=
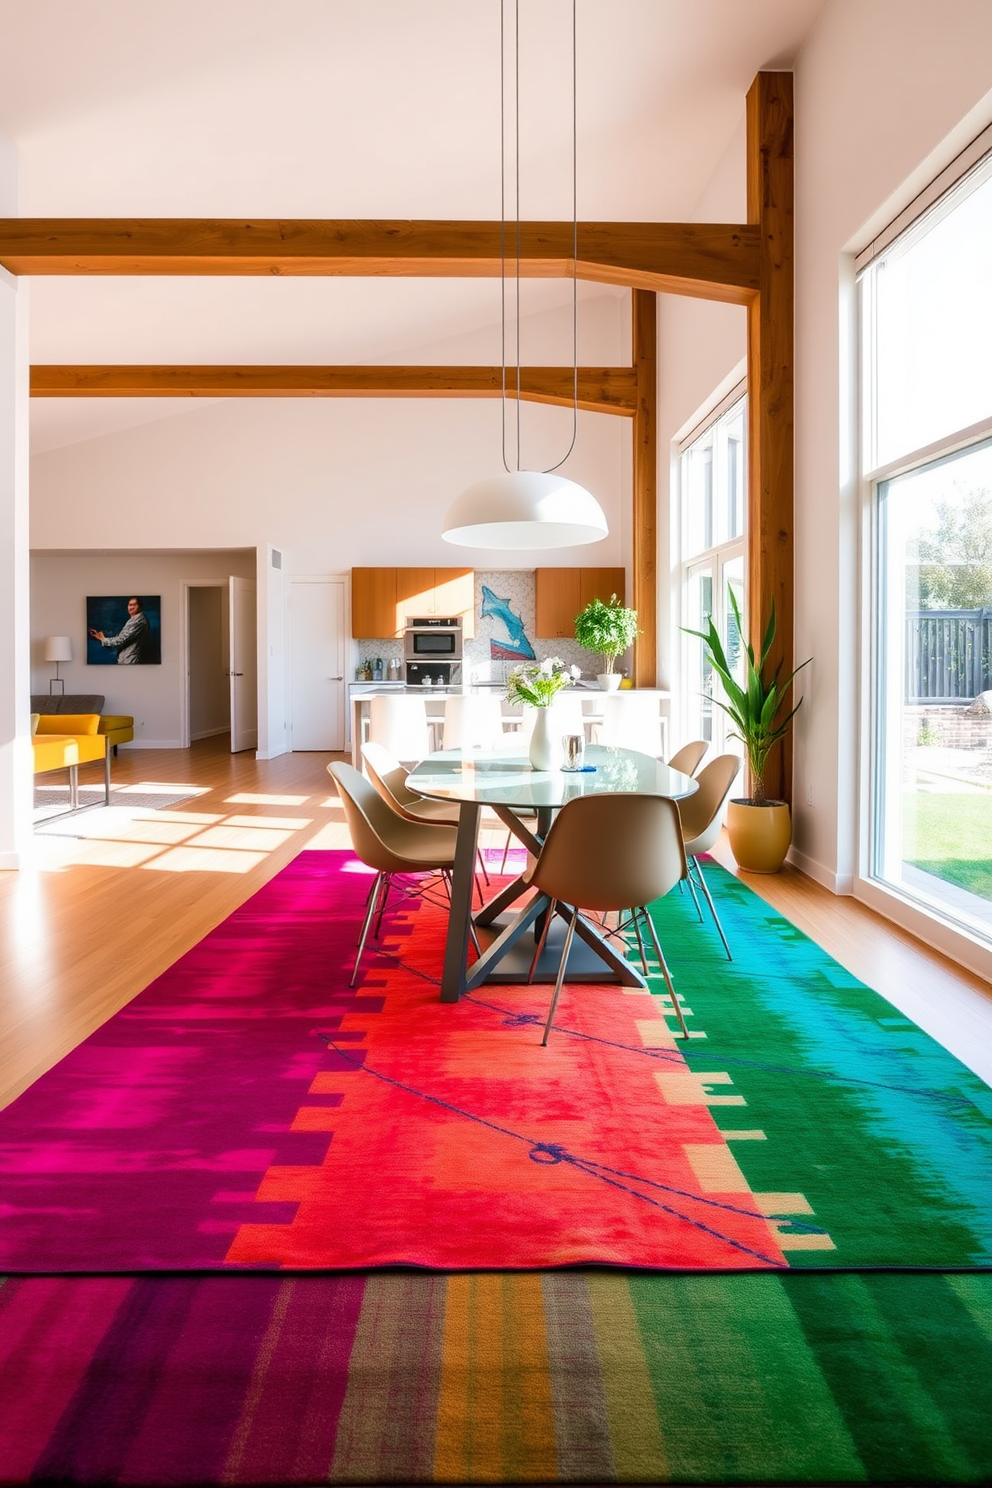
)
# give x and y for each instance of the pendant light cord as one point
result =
(517, 235)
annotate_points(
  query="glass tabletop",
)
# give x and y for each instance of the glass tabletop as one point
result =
(505, 777)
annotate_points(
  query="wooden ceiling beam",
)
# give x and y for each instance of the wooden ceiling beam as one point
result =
(644, 536)
(601, 389)
(710, 260)
(771, 388)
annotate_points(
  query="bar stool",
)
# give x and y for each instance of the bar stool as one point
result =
(399, 724)
(473, 721)
(632, 720)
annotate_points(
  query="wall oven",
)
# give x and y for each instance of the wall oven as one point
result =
(433, 638)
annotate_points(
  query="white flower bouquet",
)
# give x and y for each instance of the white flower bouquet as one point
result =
(540, 682)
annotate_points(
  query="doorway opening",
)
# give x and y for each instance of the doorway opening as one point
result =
(208, 692)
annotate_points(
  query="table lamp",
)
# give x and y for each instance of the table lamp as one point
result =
(57, 648)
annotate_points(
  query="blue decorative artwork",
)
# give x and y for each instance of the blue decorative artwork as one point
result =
(516, 647)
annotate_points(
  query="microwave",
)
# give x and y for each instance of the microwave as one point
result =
(433, 638)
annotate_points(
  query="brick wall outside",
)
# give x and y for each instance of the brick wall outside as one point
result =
(948, 728)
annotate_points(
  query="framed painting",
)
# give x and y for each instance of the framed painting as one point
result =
(124, 630)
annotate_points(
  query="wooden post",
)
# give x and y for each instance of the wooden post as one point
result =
(644, 556)
(770, 326)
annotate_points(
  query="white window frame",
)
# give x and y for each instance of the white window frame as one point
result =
(921, 919)
(715, 556)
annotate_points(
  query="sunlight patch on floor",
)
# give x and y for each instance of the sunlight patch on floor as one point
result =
(287, 823)
(256, 837)
(247, 798)
(160, 788)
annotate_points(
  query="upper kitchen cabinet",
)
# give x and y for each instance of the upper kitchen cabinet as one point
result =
(383, 598)
(560, 593)
(373, 604)
(454, 594)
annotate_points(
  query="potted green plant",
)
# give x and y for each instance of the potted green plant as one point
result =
(760, 830)
(608, 629)
(537, 685)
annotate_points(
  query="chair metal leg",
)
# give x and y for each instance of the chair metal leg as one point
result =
(692, 889)
(73, 787)
(640, 943)
(540, 944)
(561, 974)
(384, 895)
(709, 900)
(106, 777)
(482, 865)
(373, 900)
(666, 973)
(506, 852)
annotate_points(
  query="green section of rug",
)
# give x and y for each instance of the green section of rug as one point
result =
(877, 1141)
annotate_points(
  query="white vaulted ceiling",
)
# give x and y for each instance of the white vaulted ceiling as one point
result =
(371, 108)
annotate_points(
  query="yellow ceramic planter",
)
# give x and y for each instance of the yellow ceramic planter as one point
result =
(759, 835)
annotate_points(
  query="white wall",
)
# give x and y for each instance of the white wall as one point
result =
(15, 742)
(153, 695)
(332, 482)
(887, 93)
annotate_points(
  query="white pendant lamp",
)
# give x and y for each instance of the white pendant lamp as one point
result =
(527, 508)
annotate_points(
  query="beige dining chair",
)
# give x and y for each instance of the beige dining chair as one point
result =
(391, 844)
(688, 759)
(608, 852)
(390, 780)
(701, 815)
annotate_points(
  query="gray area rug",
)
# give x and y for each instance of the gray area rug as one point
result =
(52, 812)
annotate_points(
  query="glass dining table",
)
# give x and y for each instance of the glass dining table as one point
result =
(505, 781)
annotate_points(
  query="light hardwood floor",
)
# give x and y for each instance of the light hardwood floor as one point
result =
(96, 916)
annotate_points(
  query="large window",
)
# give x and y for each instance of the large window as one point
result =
(926, 306)
(712, 471)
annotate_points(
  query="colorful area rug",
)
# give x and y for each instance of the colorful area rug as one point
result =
(249, 1110)
(565, 1377)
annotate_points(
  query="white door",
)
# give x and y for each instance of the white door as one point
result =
(316, 663)
(244, 671)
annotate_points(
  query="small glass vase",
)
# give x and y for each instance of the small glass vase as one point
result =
(543, 753)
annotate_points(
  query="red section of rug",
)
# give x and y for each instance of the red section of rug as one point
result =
(248, 1109)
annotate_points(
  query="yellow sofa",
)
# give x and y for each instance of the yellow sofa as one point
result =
(119, 727)
(64, 741)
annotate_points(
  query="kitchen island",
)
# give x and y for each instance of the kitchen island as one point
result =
(360, 694)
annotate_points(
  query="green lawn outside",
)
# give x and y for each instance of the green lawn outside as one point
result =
(950, 836)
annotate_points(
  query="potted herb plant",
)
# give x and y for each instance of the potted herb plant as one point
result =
(608, 629)
(536, 686)
(760, 830)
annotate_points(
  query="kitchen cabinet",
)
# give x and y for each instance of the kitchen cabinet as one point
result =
(373, 604)
(560, 593)
(382, 598)
(454, 594)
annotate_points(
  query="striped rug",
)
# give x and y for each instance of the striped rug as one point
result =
(566, 1377)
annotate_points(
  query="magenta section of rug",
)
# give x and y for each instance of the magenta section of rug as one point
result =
(168, 1109)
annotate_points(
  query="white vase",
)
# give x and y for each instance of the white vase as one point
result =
(544, 754)
(609, 681)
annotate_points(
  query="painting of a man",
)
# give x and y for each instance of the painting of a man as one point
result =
(124, 632)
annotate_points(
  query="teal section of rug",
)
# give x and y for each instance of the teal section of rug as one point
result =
(885, 1136)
